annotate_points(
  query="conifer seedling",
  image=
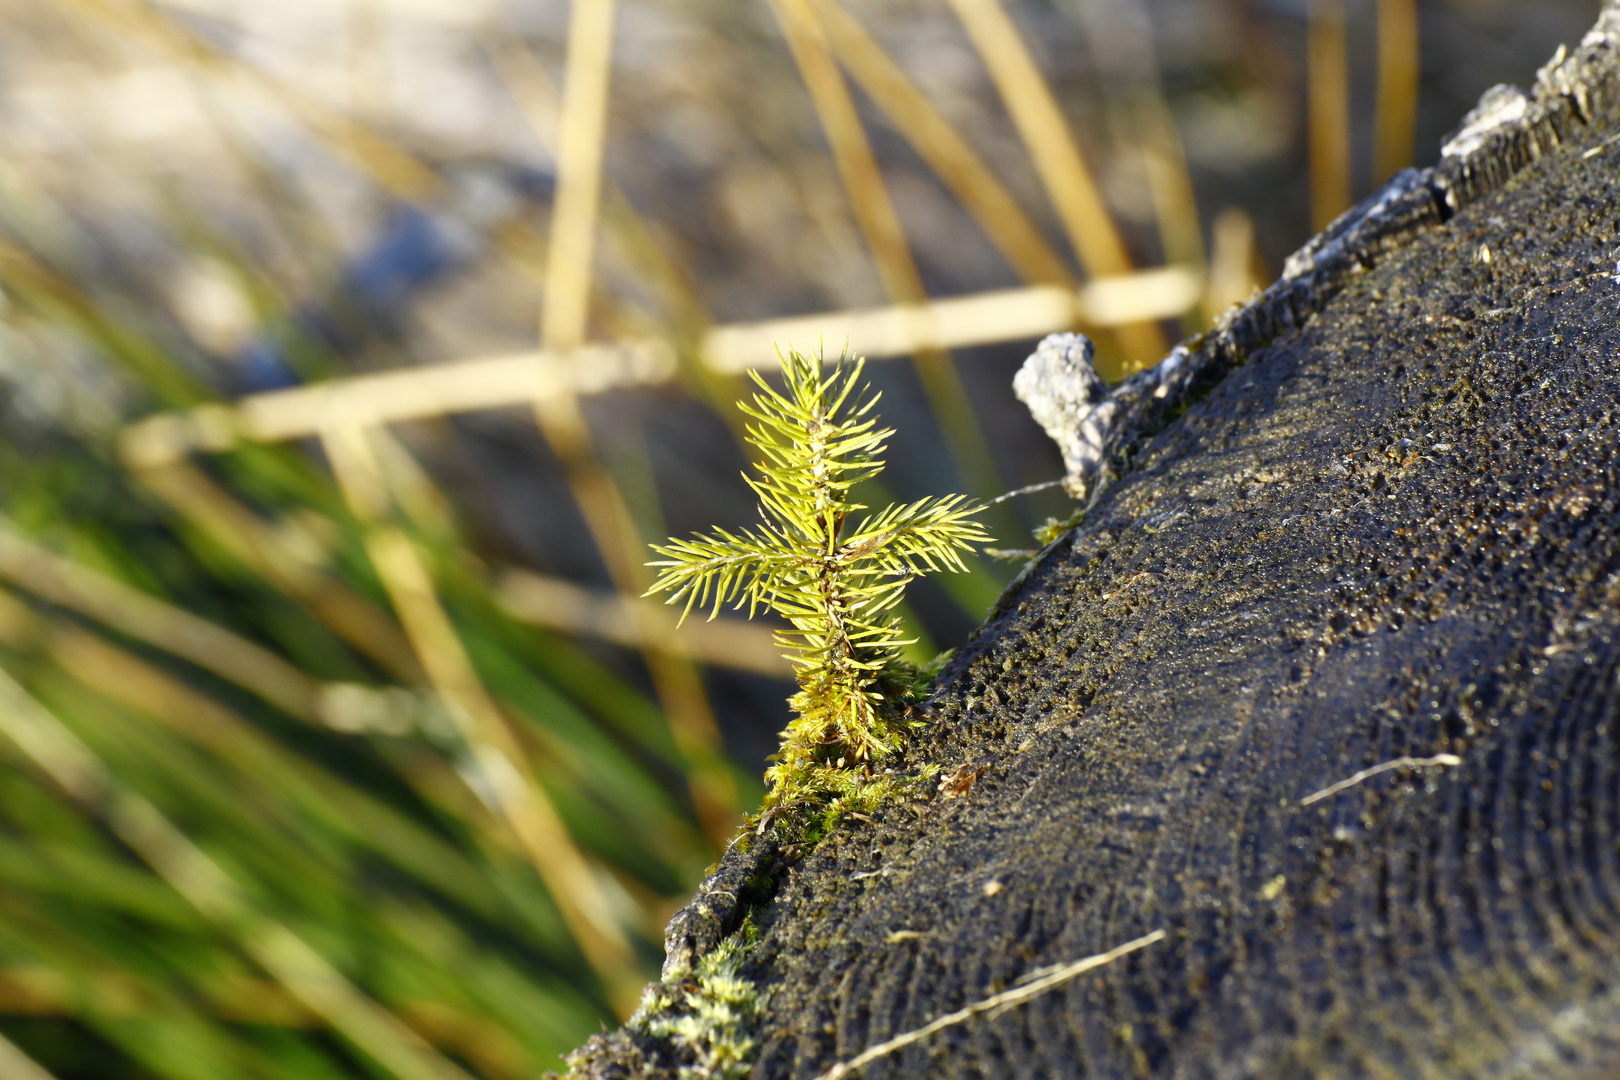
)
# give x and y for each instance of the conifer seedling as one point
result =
(835, 578)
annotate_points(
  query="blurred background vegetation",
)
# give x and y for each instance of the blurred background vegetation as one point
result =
(352, 350)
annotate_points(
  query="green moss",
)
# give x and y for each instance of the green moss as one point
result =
(707, 1021)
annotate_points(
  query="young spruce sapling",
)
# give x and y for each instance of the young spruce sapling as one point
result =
(836, 579)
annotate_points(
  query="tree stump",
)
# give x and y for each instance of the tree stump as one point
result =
(1323, 687)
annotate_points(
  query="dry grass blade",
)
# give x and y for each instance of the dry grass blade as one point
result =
(1165, 161)
(562, 605)
(307, 975)
(495, 749)
(956, 163)
(1130, 299)
(16, 1065)
(679, 688)
(532, 88)
(1397, 87)
(1057, 157)
(155, 446)
(409, 485)
(857, 165)
(880, 226)
(580, 138)
(391, 396)
(128, 610)
(1328, 73)
(1231, 262)
(960, 321)
(632, 238)
(1120, 36)
(1047, 136)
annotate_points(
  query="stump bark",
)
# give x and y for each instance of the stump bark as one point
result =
(1365, 546)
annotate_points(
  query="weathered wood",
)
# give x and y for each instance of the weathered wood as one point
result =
(1372, 529)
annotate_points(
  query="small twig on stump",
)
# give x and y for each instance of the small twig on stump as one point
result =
(1398, 763)
(1030, 490)
(1006, 999)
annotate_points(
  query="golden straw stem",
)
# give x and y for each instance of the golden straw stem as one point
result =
(974, 319)
(1058, 160)
(580, 138)
(461, 386)
(1047, 135)
(562, 605)
(494, 746)
(880, 226)
(937, 141)
(635, 241)
(1398, 69)
(307, 975)
(16, 1065)
(1327, 70)
(676, 681)
(857, 166)
(1119, 35)
(1174, 203)
(564, 321)
(1231, 262)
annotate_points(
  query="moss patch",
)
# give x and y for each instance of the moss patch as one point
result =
(699, 1025)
